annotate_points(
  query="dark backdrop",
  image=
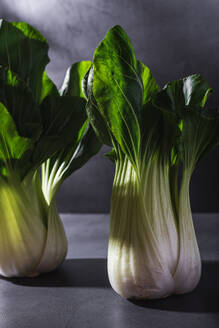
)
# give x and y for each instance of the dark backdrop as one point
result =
(174, 38)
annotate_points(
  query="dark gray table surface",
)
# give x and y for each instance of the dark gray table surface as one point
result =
(78, 294)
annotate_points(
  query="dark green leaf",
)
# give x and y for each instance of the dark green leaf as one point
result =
(85, 83)
(117, 88)
(72, 85)
(48, 87)
(199, 134)
(196, 131)
(18, 99)
(24, 51)
(149, 84)
(159, 133)
(87, 147)
(12, 146)
(98, 122)
(196, 90)
(62, 119)
(193, 90)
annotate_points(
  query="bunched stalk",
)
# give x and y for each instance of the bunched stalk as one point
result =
(55, 246)
(32, 235)
(139, 242)
(152, 250)
(21, 230)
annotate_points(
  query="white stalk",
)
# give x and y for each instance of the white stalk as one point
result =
(32, 237)
(22, 231)
(140, 244)
(55, 248)
(151, 253)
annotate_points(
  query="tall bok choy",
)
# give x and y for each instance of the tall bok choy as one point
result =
(152, 250)
(44, 137)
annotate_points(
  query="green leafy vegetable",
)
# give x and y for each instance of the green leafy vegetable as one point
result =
(152, 246)
(44, 137)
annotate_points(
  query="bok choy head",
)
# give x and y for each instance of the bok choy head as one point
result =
(44, 137)
(152, 249)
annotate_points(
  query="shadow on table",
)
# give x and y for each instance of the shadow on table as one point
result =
(72, 273)
(203, 299)
(93, 273)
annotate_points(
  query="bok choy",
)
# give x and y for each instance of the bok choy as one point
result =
(44, 137)
(152, 250)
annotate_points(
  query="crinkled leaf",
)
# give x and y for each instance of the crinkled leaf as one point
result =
(48, 87)
(193, 90)
(159, 133)
(84, 83)
(196, 90)
(71, 158)
(151, 127)
(149, 84)
(12, 146)
(56, 111)
(199, 134)
(88, 147)
(72, 85)
(18, 99)
(24, 51)
(186, 98)
(98, 122)
(151, 122)
(117, 88)
(62, 119)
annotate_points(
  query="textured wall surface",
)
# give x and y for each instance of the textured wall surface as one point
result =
(173, 38)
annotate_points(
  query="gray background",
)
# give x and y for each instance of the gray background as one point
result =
(174, 38)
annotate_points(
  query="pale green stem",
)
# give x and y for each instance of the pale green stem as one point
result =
(188, 270)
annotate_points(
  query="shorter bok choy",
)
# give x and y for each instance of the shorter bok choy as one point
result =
(44, 137)
(152, 250)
